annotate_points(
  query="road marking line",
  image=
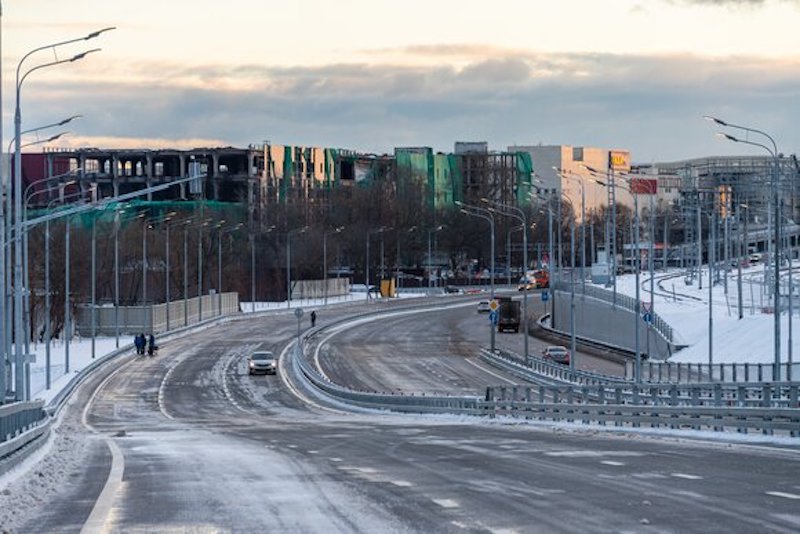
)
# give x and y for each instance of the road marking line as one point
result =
(688, 477)
(784, 495)
(446, 503)
(612, 463)
(490, 372)
(335, 459)
(401, 483)
(98, 520)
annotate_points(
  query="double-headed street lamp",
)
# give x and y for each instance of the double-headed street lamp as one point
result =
(289, 262)
(487, 215)
(518, 214)
(432, 231)
(22, 366)
(325, 235)
(773, 152)
(366, 258)
(220, 233)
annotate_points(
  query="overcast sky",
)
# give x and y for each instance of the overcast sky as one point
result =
(374, 74)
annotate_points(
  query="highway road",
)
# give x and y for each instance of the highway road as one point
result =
(188, 442)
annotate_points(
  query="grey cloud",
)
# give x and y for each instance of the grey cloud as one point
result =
(651, 105)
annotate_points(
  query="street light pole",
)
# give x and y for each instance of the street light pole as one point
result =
(773, 152)
(431, 231)
(325, 258)
(487, 215)
(289, 262)
(519, 214)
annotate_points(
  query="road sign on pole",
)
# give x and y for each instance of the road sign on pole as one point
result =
(647, 317)
(493, 316)
(493, 305)
(545, 296)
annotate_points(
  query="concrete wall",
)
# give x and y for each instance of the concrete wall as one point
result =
(155, 318)
(601, 321)
(315, 289)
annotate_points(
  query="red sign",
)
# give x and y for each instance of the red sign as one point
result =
(644, 186)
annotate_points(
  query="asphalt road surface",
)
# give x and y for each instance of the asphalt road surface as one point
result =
(189, 442)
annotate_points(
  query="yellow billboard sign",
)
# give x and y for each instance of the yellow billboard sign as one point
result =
(619, 160)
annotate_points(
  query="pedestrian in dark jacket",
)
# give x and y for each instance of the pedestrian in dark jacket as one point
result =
(139, 343)
(313, 318)
(151, 346)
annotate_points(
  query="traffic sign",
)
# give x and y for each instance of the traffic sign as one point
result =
(646, 307)
(647, 317)
(298, 312)
(493, 316)
(545, 296)
(493, 304)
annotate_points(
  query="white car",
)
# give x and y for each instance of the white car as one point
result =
(262, 361)
(483, 306)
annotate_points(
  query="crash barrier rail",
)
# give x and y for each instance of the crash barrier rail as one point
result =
(540, 370)
(761, 394)
(766, 407)
(705, 372)
(386, 401)
(624, 301)
(596, 405)
(20, 424)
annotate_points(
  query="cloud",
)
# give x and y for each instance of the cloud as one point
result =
(649, 104)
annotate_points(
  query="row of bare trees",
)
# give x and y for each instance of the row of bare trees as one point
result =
(211, 247)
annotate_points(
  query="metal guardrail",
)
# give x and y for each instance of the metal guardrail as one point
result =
(20, 424)
(761, 394)
(384, 401)
(704, 372)
(592, 405)
(592, 398)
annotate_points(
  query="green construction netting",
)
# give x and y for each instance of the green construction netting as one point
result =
(524, 177)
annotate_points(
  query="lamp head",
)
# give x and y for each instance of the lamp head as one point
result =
(714, 119)
(98, 32)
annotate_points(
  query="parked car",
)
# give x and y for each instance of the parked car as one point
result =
(453, 290)
(557, 354)
(262, 361)
(483, 306)
(755, 257)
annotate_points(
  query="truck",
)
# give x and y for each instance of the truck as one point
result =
(508, 314)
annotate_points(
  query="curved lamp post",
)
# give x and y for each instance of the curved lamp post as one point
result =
(773, 152)
(22, 366)
(487, 215)
(518, 214)
(325, 258)
(289, 262)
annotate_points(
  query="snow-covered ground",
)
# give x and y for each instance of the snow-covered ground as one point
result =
(746, 340)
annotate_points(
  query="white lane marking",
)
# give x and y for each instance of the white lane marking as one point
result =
(594, 454)
(161, 388)
(290, 386)
(784, 495)
(335, 459)
(687, 477)
(485, 370)
(446, 503)
(612, 463)
(99, 519)
(401, 483)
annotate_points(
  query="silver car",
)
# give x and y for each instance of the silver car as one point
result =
(262, 362)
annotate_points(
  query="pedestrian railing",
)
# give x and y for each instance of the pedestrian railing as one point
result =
(768, 408)
(718, 372)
